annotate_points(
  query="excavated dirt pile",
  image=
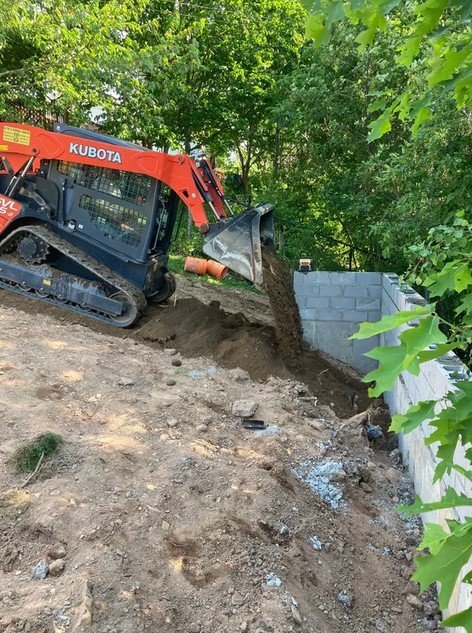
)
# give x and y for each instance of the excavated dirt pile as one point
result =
(249, 333)
(196, 329)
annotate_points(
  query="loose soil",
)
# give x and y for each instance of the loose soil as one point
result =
(288, 327)
(169, 516)
(248, 333)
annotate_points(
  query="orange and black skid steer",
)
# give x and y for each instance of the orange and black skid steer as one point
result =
(86, 220)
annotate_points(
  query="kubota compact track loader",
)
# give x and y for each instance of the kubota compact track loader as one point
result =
(86, 220)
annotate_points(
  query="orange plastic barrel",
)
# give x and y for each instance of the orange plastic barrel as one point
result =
(215, 269)
(195, 265)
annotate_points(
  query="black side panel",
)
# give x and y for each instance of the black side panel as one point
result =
(112, 207)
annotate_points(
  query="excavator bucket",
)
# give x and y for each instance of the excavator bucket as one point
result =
(237, 241)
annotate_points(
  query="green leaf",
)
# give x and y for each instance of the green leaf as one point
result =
(380, 126)
(423, 115)
(454, 276)
(445, 566)
(390, 322)
(463, 618)
(414, 417)
(391, 364)
(440, 350)
(433, 538)
(466, 304)
(449, 65)
(451, 499)
(422, 336)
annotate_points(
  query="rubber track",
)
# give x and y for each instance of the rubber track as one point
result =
(135, 296)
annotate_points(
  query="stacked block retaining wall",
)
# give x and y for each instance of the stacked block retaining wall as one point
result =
(332, 305)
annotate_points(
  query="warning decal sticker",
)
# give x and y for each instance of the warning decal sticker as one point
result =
(16, 135)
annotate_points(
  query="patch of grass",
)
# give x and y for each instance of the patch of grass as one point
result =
(26, 458)
(176, 265)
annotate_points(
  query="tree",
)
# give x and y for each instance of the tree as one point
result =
(435, 40)
(60, 56)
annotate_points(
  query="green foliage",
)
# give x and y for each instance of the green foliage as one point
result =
(435, 38)
(26, 458)
(451, 553)
(444, 268)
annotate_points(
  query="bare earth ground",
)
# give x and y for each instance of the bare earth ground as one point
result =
(172, 516)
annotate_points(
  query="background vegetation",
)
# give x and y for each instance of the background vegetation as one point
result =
(285, 121)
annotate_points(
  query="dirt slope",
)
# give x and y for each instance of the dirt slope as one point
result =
(176, 519)
(235, 328)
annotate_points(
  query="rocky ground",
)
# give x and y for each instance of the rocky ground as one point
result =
(161, 512)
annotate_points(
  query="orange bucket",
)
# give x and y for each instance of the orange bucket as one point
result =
(195, 265)
(215, 269)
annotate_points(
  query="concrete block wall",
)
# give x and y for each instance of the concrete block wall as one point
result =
(332, 305)
(435, 379)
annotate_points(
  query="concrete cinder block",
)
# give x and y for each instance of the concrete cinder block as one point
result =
(363, 364)
(368, 304)
(374, 292)
(309, 333)
(357, 291)
(342, 302)
(317, 302)
(343, 278)
(312, 278)
(356, 316)
(331, 291)
(301, 301)
(308, 314)
(329, 314)
(307, 290)
(368, 279)
(374, 315)
(333, 339)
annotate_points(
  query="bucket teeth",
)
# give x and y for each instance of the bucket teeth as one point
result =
(236, 242)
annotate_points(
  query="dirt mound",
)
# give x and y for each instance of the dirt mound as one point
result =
(196, 329)
(198, 326)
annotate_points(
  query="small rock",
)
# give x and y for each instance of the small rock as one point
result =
(176, 362)
(244, 408)
(56, 551)
(172, 422)
(429, 625)
(170, 351)
(296, 614)
(41, 569)
(430, 608)
(237, 599)
(170, 382)
(345, 598)
(165, 526)
(201, 428)
(194, 628)
(316, 424)
(365, 486)
(239, 375)
(57, 567)
(125, 382)
(414, 601)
